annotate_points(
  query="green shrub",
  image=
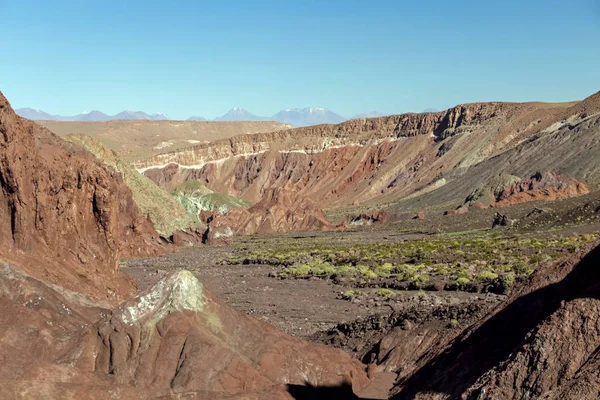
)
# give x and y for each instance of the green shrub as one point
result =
(346, 270)
(418, 279)
(508, 281)
(463, 280)
(487, 276)
(298, 270)
(384, 270)
(385, 292)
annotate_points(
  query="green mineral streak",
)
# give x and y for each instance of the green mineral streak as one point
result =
(196, 197)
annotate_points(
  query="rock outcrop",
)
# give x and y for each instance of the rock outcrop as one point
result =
(279, 211)
(165, 213)
(61, 213)
(174, 340)
(199, 201)
(541, 186)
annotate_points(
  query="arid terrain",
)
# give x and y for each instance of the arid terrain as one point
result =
(442, 255)
(137, 140)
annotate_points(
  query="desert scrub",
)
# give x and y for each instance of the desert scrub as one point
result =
(366, 272)
(462, 281)
(384, 270)
(418, 280)
(350, 294)
(508, 281)
(450, 257)
(487, 276)
(300, 270)
(385, 293)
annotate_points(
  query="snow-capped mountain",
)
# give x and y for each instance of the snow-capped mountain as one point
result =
(140, 115)
(91, 116)
(308, 116)
(239, 114)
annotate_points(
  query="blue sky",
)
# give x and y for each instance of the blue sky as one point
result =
(202, 58)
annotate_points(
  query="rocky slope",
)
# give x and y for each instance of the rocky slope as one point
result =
(541, 344)
(279, 211)
(156, 205)
(504, 190)
(61, 213)
(64, 334)
(200, 202)
(382, 160)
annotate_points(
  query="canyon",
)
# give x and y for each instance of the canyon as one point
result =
(368, 244)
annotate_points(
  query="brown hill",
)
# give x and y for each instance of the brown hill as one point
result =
(427, 156)
(137, 140)
(279, 211)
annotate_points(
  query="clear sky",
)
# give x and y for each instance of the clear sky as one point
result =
(203, 57)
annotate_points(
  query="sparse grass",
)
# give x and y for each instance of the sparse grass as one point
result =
(456, 260)
(385, 293)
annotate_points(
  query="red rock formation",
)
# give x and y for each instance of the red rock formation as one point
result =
(173, 340)
(59, 211)
(378, 216)
(279, 211)
(541, 186)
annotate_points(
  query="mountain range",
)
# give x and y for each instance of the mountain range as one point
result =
(91, 116)
(296, 117)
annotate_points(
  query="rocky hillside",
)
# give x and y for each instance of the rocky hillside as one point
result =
(156, 205)
(383, 160)
(279, 211)
(62, 215)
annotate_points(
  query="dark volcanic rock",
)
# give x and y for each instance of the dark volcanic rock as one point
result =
(501, 220)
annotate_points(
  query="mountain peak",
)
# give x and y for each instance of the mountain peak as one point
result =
(308, 116)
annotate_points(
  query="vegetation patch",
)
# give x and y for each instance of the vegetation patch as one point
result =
(471, 262)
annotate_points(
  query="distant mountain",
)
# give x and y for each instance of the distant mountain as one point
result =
(240, 114)
(37, 115)
(140, 115)
(308, 116)
(431, 110)
(92, 116)
(295, 117)
(372, 114)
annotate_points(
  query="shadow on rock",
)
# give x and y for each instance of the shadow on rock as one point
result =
(309, 392)
(485, 345)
